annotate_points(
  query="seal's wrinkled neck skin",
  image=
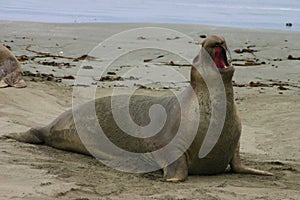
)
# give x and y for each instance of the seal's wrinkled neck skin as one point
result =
(211, 61)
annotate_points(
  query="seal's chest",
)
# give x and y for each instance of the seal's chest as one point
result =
(217, 160)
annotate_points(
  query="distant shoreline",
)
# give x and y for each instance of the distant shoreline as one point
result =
(287, 30)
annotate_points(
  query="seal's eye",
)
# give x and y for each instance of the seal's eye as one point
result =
(216, 45)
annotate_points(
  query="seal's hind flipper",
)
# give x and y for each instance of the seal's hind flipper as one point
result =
(32, 136)
(20, 84)
(237, 167)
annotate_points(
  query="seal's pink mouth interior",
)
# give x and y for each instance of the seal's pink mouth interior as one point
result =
(220, 58)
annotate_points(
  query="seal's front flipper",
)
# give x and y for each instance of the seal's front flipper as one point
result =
(15, 79)
(3, 84)
(237, 167)
(177, 171)
(20, 84)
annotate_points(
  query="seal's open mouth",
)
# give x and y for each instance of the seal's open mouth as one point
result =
(220, 58)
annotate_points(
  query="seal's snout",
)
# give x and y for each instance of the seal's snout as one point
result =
(220, 58)
(217, 49)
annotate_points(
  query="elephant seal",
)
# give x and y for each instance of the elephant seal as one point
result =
(62, 133)
(10, 70)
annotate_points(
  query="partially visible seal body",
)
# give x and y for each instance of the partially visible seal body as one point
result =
(10, 70)
(62, 132)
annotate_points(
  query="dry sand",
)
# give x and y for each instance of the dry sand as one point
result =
(270, 116)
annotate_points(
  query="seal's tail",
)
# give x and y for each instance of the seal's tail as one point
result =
(33, 136)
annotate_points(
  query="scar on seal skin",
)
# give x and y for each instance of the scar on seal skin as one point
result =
(10, 70)
(62, 133)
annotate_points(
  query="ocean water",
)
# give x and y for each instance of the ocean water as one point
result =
(267, 14)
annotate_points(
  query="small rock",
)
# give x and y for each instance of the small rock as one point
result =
(9, 48)
(120, 85)
(87, 67)
(277, 163)
(148, 60)
(141, 38)
(111, 73)
(140, 86)
(22, 58)
(111, 78)
(50, 77)
(45, 183)
(132, 78)
(254, 84)
(69, 77)
(175, 38)
(290, 57)
(282, 88)
(171, 63)
(245, 50)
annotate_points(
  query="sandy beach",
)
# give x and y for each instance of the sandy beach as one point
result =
(267, 93)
